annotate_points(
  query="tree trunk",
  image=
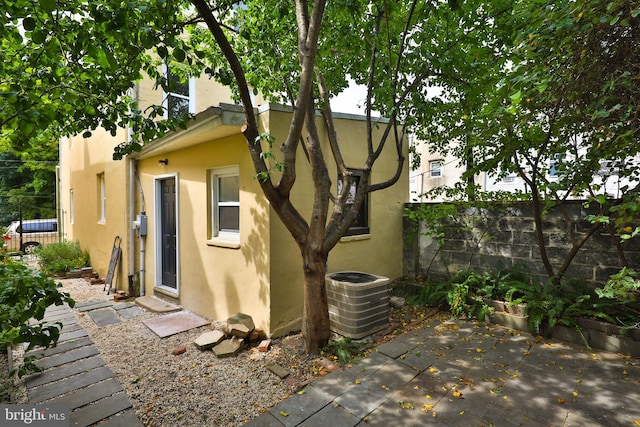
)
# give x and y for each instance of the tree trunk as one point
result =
(315, 323)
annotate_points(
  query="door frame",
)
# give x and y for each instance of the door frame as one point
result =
(158, 234)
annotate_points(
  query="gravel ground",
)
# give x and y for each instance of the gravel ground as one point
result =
(5, 381)
(194, 388)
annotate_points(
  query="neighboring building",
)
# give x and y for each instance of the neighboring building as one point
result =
(436, 171)
(213, 244)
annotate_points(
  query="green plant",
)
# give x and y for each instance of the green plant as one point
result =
(58, 258)
(345, 349)
(621, 297)
(25, 294)
(564, 303)
(622, 286)
(431, 294)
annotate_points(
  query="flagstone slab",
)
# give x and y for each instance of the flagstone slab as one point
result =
(91, 414)
(59, 316)
(90, 394)
(64, 336)
(61, 347)
(208, 340)
(173, 323)
(67, 357)
(93, 305)
(229, 348)
(104, 316)
(66, 385)
(68, 370)
(156, 305)
(129, 312)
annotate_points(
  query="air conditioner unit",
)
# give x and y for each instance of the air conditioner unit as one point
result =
(358, 303)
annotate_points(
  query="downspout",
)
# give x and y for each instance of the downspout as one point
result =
(143, 244)
(132, 199)
(132, 216)
(60, 212)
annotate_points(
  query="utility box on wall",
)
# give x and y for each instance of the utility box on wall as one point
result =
(358, 303)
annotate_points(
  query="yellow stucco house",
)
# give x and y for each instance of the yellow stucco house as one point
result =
(195, 228)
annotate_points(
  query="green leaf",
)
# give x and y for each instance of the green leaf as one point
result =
(38, 36)
(48, 5)
(162, 51)
(179, 54)
(29, 23)
(516, 98)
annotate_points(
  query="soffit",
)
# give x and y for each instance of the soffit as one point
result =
(209, 125)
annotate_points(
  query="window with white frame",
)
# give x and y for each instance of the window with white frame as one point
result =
(361, 224)
(435, 168)
(179, 98)
(72, 207)
(224, 184)
(102, 202)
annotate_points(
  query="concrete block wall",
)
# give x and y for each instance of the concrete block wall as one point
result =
(505, 236)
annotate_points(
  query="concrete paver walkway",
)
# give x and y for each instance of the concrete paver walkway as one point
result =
(444, 373)
(75, 375)
(458, 373)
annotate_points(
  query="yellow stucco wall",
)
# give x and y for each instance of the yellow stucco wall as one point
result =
(263, 276)
(83, 159)
(379, 252)
(214, 281)
(82, 162)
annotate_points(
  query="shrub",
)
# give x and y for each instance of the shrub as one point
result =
(59, 258)
(25, 294)
(561, 302)
(344, 350)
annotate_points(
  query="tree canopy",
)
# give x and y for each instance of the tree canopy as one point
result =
(563, 87)
(560, 110)
(516, 84)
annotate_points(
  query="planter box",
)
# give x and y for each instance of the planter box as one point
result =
(358, 303)
(506, 307)
(598, 339)
(597, 334)
(519, 323)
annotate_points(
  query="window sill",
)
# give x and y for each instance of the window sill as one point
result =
(355, 238)
(224, 243)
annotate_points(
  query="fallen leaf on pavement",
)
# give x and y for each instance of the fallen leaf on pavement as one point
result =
(406, 405)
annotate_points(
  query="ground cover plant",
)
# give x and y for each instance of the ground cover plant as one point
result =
(59, 258)
(547, 304)
(25, 294)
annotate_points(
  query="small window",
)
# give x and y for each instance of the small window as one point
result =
(435, 168)
(510, 178)
(555, 165)
(102, 201)
(72, 213)
(178, 102)
(225, 203)
(361, 224)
